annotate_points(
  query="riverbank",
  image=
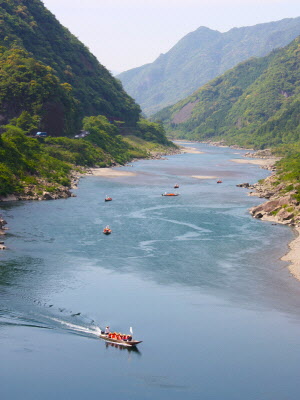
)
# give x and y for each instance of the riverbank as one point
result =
(282, 207)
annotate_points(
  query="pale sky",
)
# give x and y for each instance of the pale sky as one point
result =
(124, 34)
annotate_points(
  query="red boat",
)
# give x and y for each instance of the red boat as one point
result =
(170, 194)
(120, 339)
(107, 230)
(108, 198)
(219, 181)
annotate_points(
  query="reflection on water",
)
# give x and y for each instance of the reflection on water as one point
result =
(133, 349)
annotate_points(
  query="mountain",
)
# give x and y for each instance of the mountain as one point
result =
(257, 103)
(201, 56)
(40, 48)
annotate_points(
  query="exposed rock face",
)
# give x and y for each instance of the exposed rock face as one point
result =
(281, 207)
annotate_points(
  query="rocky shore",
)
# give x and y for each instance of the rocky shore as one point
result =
(282, 207)
(2, 233)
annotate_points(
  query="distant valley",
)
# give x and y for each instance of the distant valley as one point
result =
(199, 57)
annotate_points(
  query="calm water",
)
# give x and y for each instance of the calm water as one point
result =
(197, 278)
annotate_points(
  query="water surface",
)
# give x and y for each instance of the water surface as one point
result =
(197, 278)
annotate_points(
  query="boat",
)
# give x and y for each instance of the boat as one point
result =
(107, 230)
(130, 343)
(176, 186)
(219, 181)
(107, 198)
(170, 194)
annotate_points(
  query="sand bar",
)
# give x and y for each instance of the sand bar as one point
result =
(293, 256)
(110, 172)
(257, 161)
(191, 150)
(204, 177)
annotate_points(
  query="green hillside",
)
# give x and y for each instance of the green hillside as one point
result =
(27, 25)
(201, 56)
(255, 104)
(31, 166)
(49, 81)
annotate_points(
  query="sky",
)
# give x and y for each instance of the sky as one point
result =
(125, 34)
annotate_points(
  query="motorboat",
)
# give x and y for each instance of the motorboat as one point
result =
(170, 194)
(116, 338)
(107, 230)
(219, 181)
(176, 186)
(107, 198)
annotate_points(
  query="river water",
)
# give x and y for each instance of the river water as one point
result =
(198, 279)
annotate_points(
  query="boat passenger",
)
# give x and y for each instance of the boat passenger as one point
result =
(107, 330)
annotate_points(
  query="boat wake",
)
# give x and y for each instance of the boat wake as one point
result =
(82, 330)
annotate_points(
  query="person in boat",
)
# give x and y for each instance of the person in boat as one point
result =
(107, 330)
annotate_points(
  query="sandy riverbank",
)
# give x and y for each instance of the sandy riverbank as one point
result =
(293, 256)
(110, 172)
(263, 162)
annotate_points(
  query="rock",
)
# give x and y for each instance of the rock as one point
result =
(47, 196)
(243, 185)
(10, 197)
(258, 215)
(284, 215)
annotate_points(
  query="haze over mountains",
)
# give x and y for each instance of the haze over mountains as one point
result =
(201, 56)
(257, 103)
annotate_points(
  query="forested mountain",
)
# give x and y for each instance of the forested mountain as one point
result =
(201, 56)
(40, 56)
(49, 81)
(257, 103)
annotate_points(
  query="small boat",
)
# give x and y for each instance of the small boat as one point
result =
(219, 181)
(109, 339)
(107, 230)
(107, 198)
(170, 194)
(176, 186)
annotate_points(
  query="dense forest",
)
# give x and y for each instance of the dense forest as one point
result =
(27, 25)
(49, 81)
(46, 164)
(201, 56)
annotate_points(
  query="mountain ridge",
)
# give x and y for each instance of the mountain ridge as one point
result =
(200, 56)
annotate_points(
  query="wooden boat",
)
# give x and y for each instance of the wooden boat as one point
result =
(176, 186)
(107, 198)
(107, 230)
(170, 194)
(120, 342)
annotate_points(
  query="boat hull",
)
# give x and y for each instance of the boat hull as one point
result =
(130, 343)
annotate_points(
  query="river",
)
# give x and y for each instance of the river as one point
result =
(198, 279)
